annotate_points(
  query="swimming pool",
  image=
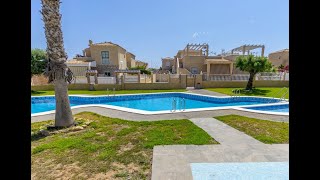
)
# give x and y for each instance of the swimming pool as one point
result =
(241, 171)
(151, 103)
(274, 108)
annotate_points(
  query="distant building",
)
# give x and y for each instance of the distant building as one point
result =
(195, 59)
(167, 63)
(105, 57)
(279, 57)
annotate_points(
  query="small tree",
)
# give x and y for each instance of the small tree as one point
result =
(38, 61)
(253, 65)
(142, 69)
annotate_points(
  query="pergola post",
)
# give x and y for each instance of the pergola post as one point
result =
(88, 79)
(243, 49)
(151, 77)
(262, 51)
(208, 69)
(95, 79)
(187, 49)
(207, 50)
(231, 68)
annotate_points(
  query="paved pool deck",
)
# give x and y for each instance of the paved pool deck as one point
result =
(173, 161)
(170, 116)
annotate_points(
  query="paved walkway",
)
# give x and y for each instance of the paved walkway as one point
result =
(173, 161)
(176, 115)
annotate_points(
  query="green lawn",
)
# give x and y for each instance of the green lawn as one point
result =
(267, 92)
(268, 132)
(107, 148)
(42, 93)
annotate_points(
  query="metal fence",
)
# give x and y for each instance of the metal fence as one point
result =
(101, 80)
(220, 77)
(245, 77)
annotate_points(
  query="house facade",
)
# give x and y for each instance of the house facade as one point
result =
(107, 57)
(280, 57)
(195, 59)
(167, 63)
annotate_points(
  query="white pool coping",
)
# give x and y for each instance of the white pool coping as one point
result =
(137, 111)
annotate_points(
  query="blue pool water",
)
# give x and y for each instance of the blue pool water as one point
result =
(274, 108)
(150, 102)
(241, 171)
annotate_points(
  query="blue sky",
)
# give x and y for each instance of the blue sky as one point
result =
(153, 29)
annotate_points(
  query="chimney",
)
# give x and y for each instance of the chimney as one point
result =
(90, 42)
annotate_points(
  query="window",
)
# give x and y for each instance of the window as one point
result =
(105, 57)
(107, 73)
(194, 70)
(168, 64)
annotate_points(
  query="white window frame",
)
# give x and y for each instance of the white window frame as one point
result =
(105, 60)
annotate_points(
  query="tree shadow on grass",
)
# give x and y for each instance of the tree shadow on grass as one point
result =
(37, 136)
(255, 92)
(36, 92)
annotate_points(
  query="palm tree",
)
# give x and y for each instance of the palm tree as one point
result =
(57, 71)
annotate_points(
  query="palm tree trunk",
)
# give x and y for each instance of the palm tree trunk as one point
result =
(57, 57)
(250, 82)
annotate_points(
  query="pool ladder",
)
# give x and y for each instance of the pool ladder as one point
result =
(284, 92)
(174, 104)
(236, 92)
(182, 104)
(114, 91)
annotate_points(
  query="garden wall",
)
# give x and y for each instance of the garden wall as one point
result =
(236, 84)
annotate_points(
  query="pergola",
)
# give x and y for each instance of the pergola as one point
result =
(211, 62)
(247, 48)
(128, 72)
(92, 73)
(204, 48)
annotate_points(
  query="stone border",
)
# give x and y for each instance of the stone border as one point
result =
(169, 116)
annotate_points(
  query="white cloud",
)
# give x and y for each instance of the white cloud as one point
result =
(195, 35)
(199, 34)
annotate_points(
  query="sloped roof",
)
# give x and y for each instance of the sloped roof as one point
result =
(282, 50)
(130, 53)
(107, 44)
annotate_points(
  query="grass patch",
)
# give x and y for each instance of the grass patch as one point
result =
(104, 92)
(108, 148)
(266, 92)
(268, 132)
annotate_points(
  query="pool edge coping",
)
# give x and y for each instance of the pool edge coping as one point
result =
(143, 112)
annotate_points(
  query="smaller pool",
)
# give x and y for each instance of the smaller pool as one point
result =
(274, 108)
(240, 171)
